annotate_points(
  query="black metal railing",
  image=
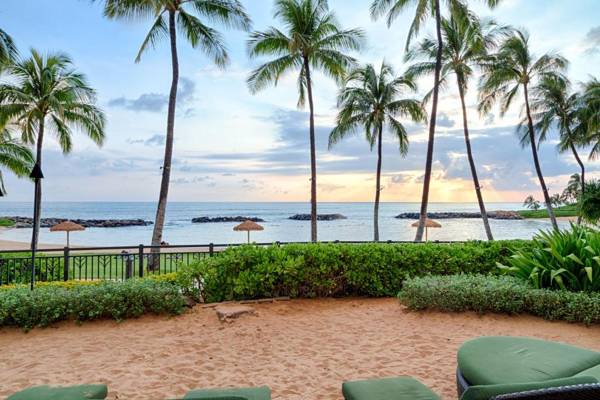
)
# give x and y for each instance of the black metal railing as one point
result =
(112, 263)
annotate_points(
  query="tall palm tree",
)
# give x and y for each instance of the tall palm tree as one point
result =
(554, 105)
(424, 9)
(189, 18)
(312, 39)
(372, 101)
(466, 42)
(44, 94)
(14, 156)
(512, 70)
(8, 50)
(591, 98)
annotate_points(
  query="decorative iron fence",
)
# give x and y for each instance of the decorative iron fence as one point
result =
(111, 263)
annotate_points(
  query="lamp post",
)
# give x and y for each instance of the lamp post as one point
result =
(36, 175)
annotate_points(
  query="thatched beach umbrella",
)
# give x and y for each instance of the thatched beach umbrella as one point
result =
(429, 223)
(248, 226)
(67, 226)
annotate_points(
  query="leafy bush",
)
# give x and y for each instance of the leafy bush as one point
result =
(498, 294)
(590, 202)
(311, 270)
(568, 259)
(117, 300)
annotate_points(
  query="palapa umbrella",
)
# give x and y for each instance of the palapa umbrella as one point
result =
(248, 226)
(67, 226)
(429, 223)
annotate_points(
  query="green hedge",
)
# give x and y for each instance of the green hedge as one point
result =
(498, 294)
(116, 300)
(311, 270)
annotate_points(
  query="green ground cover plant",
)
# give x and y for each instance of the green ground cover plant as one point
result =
(498, 294)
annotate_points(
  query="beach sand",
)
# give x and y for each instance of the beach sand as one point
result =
(302, 349)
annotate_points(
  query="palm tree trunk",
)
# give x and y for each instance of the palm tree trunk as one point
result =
(536, 161)
(37, 201)
(484, 216)
(576, 155)
(377, 185)
(432, 123)
(313, 156)
(159, 221)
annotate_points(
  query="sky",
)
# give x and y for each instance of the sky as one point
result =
(231, 145)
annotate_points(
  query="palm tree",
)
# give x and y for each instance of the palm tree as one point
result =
(372, 101)
(513, 68)
(591, 98)
(531, 203)
(424, 9)
(171, 16)
(312, 39)
(14, 156)
(466, 43)
(553, 105)
(44, 94)
(8, 50)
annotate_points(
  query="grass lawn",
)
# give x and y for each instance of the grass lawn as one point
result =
(562, 211)
(5, 222)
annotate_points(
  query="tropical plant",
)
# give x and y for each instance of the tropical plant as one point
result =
(312, 39)
(15, 157)
(44, 94)
(8, 50)
(372, 101)
(554, 105)
(531, 203)
(466, 42)
(591, 97)
(425, 8)
(572, 192)
(505, 74)
(189, 18)
(566, 259)
(590, 202)
(556, 200)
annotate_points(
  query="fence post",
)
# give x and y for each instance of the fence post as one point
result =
(66, 264)
(211, 249)
(141, 260)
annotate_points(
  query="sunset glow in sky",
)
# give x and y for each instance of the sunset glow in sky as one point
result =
(234, 146)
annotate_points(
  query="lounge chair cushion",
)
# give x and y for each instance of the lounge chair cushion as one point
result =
(400, 388)
(594, 371)
(45, 392)
(257, 393)
(503, 359)
(486, 392)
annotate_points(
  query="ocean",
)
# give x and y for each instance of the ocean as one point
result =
(180, 230)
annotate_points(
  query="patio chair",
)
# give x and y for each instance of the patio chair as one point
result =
(255, 393)
(506, 368)
(45, 392)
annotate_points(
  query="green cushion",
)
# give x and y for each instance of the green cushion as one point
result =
(400, 388)
(488, 391)
(594, 371)
(504, 359)
(81, 392)
(257, 393)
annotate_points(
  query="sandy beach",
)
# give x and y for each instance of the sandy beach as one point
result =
(302, 349)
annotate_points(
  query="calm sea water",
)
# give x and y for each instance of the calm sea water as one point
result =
(180, 230)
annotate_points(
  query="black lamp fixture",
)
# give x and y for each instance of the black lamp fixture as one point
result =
(36, 172)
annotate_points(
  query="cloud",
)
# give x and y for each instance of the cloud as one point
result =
(209, 181)
(157, 102)
(445, 121)
(155, 140)
(330, 187)
(592, 41)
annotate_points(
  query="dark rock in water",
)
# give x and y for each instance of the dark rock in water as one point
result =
(462, 215)
(26, 222)
(206, 220)
(320, 217)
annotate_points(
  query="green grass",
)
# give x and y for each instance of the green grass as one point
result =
(570, 210)
(5, 222)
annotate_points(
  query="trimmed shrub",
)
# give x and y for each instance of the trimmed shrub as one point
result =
(311, 270)
(498, 294)
(568, 259)
(117, 300)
